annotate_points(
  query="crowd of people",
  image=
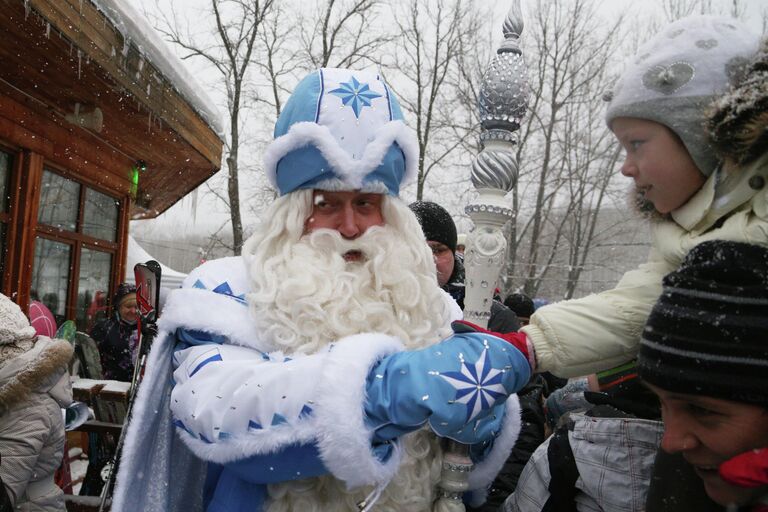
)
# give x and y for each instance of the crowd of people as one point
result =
(328, 368)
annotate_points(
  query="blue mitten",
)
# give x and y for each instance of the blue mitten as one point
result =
(459, 386)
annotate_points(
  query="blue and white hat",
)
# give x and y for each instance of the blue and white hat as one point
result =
(341, 130)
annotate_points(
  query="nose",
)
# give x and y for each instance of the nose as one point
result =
(676, 437)
(628, 168)
(348, 225)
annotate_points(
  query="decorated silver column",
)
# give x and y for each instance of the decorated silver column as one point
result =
(503, 104)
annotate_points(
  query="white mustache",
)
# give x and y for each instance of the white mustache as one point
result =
(330, 241)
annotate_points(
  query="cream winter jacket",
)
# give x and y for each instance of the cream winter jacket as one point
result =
(583, 336)
(33, 387)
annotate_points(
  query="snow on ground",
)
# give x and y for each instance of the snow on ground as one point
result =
(78, 464)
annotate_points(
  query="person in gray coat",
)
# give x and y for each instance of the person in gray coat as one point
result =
(34, 386)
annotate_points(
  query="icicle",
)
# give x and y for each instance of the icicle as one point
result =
(149, 88)
(113, 52)
(81, 7)
(26, 9)
(137, 75)
(47, 30)
(126, 46)
(79, 62)
(149, 122)
(194, 204)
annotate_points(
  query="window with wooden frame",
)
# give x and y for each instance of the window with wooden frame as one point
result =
(75, 249)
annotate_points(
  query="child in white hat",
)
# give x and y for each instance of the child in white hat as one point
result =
(658, 112)
(34, 386)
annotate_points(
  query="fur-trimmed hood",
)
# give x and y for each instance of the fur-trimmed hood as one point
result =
(738, 121)
(36, 370)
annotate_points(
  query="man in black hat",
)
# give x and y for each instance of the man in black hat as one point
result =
(440, 232)
(704, 352)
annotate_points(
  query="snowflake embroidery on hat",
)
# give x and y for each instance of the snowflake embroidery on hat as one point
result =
(355, 94)
(477, 385)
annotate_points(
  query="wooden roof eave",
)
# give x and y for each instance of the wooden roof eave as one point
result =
(98, 40)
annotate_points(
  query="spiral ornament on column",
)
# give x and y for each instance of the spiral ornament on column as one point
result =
(502, 105)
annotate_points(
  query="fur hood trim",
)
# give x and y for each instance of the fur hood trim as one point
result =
(35, 370)
(738, 121)
(484, 472)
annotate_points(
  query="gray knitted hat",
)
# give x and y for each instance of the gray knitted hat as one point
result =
(675, 76)
(14, 326)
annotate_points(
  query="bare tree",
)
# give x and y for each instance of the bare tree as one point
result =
(676, 9)
(425, 70)
(566, 153)
(235, 26)
(339, 33)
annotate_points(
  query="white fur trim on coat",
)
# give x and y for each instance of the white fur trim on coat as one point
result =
(344, 439)
(485, 471)
(351, 171)
(204, 310)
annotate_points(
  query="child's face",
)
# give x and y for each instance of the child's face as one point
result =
(664, 172)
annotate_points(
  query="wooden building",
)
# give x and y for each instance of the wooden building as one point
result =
(93, 133)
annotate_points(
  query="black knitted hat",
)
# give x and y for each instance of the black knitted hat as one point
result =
(708, 332)
(521, 304)
(436, 223)
(123, 289)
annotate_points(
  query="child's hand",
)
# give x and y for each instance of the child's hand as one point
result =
(517, 339)
(749, 469)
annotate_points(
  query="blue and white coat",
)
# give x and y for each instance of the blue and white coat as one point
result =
(220, 414)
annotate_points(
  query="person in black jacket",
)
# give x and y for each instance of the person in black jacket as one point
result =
(116, 335)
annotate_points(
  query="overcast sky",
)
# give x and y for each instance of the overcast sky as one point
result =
(180, 217)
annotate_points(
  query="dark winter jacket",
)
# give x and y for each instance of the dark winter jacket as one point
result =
(116, 341)
(674, 486)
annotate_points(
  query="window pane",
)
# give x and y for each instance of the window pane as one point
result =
(5, 172)
(59, 199)
(100, 219)
(50, 276)
(93, 287)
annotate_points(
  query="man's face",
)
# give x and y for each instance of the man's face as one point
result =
(707, 432)
(443, 261)
(349, 213)
(656, 159)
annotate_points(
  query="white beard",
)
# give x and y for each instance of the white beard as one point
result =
(305, 296)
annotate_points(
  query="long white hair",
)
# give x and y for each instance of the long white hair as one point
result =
(305, 295)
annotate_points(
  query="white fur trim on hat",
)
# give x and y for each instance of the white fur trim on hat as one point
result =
(14, 326)
(351, 171)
